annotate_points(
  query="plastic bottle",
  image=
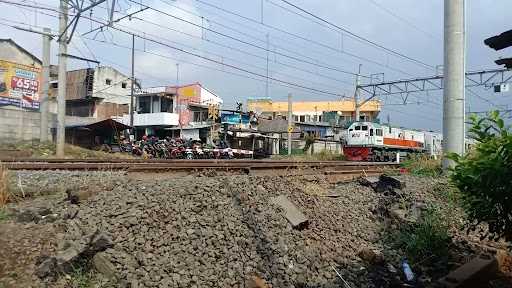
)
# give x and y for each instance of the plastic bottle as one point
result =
(409, 275)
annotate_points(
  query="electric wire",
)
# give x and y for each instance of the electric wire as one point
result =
(373, 43)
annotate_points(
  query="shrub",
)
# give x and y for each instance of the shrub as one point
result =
(421, 165)
(484, 177)
(4, 186)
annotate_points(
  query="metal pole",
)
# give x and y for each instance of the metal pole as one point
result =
(454, 72)
(356, 94)
(266, 82)
(61, 98)
(43, 137)
(132, 102)
(290, 123)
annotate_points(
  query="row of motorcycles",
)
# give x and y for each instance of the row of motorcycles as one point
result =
(170, 148)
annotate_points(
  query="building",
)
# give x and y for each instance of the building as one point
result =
(20, 88)
(174, 111)
(100, 93)
(321, 112)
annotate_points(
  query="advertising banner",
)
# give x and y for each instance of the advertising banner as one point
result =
(19, 85)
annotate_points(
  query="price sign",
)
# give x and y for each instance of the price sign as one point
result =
(24, 84)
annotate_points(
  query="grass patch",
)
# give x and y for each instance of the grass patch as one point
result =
(81, 277)
(423, 166)
(425, 241)
(47, 150)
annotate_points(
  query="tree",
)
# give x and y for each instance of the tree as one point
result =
(484, 177)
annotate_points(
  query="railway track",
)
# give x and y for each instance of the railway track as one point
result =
(335, 171)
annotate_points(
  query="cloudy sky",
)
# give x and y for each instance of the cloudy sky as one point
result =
(301, 51)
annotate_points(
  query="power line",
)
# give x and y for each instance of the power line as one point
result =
(411, 24)
(249, 43)
(359, 37)
(320, 44)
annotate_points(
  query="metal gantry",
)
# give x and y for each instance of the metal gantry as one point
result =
(485, 78)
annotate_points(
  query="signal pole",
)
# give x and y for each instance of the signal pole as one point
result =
(454, 79)
(61, 97)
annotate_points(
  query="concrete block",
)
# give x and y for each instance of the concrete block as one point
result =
(291, 212)
(474, 274)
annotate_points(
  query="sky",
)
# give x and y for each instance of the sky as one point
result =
(299, 50)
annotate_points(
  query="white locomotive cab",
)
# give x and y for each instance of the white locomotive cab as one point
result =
(365, 134)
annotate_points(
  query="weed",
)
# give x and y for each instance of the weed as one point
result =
(3, 215)
(81, 278)
(428, 239)
(4, 186)
(423, 166)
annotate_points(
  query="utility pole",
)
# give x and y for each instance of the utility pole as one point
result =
(290, 127)
(266, 82)
(132, 102)
(454, 74)
(61, 97)
(178, 104)
(356, 94)
(43, 137)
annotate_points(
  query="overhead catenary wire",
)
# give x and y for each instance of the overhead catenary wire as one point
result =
(404, 20)
(356, 36)
(317, 64)
(289, 83)
(303, 38)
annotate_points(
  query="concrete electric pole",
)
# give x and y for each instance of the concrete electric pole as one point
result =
(61, 98)
(132, 102)
(290, 124)
(454, 79)
(356, 94)
(43, 137)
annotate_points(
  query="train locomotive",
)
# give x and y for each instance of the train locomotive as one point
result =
(368, 141)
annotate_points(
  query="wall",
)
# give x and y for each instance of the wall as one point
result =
(106, 110)
(22, 125)
(114, 93)
(190, 133)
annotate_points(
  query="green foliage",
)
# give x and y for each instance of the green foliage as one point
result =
(429, 238)
(3, 214)
(421, 165)
(484, 176)
(310, 140)
(81, 278)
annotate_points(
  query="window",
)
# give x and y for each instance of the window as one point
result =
(302, 118)
(165, 105)
(350, 130)
(108, 81)
(197, 116)
(358, 128)
(371, 132)
(320, 118)
(55, 85)
(378, 132)
(123, 85)
(296, 118)
(365, 128)
(308, 118)
(144, 104)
